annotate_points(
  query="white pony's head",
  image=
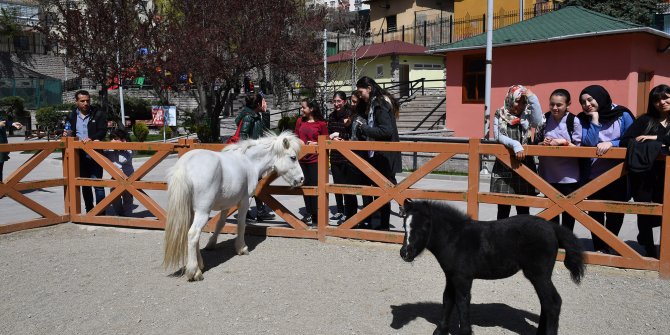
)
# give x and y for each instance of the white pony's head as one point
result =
(286, 148)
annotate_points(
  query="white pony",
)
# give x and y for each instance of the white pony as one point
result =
(204, 180)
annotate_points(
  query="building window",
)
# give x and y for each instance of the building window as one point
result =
(474, 76)
(380, 71)
(428, 66)
(391, 23)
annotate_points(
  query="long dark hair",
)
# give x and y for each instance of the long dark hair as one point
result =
(316, 110)
(379, 93)
(655, 95)
(361, 107)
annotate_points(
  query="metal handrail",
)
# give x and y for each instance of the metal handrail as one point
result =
(429, 115)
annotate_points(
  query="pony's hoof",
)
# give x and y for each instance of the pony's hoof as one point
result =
(243, 251)
(196, 277)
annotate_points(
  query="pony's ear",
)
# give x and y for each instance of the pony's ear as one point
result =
(407, 204)
(287, 143)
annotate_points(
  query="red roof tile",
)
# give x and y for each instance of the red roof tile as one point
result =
(380, 49)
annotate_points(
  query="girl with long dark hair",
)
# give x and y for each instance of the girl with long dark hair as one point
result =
(380, 126)
(308, 127)
(652, 130)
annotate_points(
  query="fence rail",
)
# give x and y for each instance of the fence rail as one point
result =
(576, 204)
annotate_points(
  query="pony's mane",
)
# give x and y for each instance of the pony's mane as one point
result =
(446, 211)
(273, 141)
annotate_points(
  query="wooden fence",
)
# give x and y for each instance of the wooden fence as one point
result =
(576, 204)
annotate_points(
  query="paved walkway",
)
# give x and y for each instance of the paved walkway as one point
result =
(52, 198)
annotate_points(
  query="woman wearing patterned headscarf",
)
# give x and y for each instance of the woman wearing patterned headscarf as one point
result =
(512, 127)
(608, 123)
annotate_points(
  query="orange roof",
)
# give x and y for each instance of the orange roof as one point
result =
(380, 49)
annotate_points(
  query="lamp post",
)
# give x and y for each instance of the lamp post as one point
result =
(489, 55)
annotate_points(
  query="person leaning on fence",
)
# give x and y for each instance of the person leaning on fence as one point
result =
(355, 176)
(561, 128)
(4, 156)
(381, 125)
(607, 122)
(122, 159)
(512, 127)
(87, 124)
(648, 136)
(339, 129)
(308, 127)
(252, 121)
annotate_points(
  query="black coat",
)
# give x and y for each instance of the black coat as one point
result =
(97, 126)
(384, 129)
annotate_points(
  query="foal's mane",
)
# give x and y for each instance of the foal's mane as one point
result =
(445, 212)
(271, 140)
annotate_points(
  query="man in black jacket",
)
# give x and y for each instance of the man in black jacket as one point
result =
(87, 124)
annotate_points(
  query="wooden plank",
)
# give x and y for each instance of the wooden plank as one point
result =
(33, 223)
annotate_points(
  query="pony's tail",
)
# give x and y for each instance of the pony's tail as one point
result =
(574, 255)
(179, 217)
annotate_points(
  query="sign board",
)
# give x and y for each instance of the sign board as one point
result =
(157, 116)
(170, 115)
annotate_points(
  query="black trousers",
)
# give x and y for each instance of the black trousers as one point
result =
(310, 170)
(88, 168)
(647, 187)
(565, 219)
(383, 165)
(347, 204)
(616, 191)
(354, 176)
(504, 210)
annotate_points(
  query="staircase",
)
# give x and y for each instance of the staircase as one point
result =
(415, 113)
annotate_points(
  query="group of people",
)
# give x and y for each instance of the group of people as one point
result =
(368, 115)
(601, 124)
(87, 124)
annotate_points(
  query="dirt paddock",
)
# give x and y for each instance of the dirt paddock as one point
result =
(77, 279)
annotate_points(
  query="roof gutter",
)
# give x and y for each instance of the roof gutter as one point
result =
(565, 37)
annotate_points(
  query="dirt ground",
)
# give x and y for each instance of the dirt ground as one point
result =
(77, 279)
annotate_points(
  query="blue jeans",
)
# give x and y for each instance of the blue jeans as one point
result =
(88, 168)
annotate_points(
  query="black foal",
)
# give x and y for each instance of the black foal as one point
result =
(467, 249)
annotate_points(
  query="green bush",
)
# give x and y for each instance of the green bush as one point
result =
(50, 117)
(141, 131)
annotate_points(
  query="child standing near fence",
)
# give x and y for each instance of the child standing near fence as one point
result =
(123, 159)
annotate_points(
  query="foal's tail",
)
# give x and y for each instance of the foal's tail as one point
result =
(574, 256)
(179, 216)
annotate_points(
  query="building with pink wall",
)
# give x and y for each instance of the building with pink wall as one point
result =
(570, 48)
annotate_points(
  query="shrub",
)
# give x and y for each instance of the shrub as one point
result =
(50, 117)
(141, 131)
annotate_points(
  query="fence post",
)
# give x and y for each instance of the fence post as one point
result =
(73, 192)
(483, 23)
(66, 168)
(322, 201)
(451, 29)
(664, 254)
(472, 195)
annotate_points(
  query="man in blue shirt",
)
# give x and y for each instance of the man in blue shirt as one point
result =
(88, 124)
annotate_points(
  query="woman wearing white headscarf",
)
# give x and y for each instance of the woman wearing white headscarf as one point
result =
(512, 127)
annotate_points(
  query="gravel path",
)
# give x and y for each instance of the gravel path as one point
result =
(76, 279)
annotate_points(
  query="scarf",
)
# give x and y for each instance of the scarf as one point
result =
(508, 120)
(607, 111)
